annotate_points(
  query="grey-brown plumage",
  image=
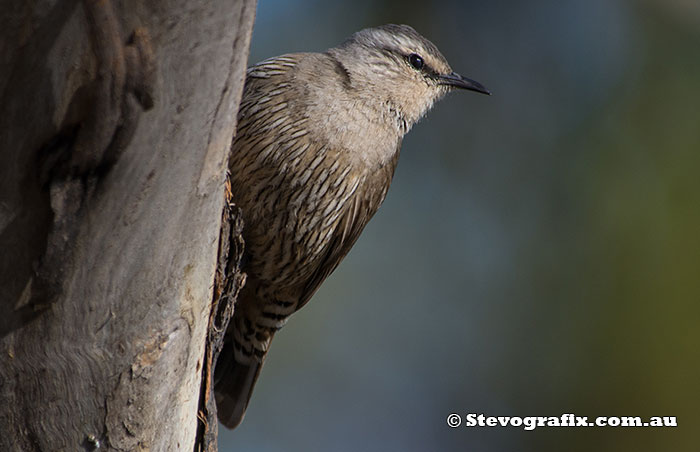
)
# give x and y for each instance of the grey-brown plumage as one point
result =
(317, 142)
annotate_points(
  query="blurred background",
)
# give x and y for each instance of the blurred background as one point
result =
(538, 252)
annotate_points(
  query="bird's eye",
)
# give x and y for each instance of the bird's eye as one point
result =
(416, 61)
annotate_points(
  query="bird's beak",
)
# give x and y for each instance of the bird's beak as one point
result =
(458, 81)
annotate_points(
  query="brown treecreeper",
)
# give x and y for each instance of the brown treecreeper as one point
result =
(318, 139)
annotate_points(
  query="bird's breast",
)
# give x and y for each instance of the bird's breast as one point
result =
(302, 159)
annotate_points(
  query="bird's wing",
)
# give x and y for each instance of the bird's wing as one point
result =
(273, 66)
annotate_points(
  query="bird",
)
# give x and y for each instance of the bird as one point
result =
(317, 141)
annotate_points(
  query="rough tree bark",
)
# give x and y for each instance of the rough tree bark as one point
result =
(115, 121)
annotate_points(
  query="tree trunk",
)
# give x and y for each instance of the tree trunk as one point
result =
(115, 125)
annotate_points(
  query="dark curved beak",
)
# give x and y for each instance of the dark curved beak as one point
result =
(456, 80)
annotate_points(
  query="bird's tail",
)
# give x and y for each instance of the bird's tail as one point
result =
(234, 383)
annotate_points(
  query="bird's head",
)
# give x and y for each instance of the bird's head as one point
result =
(400, 70)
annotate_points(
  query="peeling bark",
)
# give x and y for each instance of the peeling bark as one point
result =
(227, 283)
(116, 122)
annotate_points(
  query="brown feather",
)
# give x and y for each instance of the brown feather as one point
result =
(317, 143)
